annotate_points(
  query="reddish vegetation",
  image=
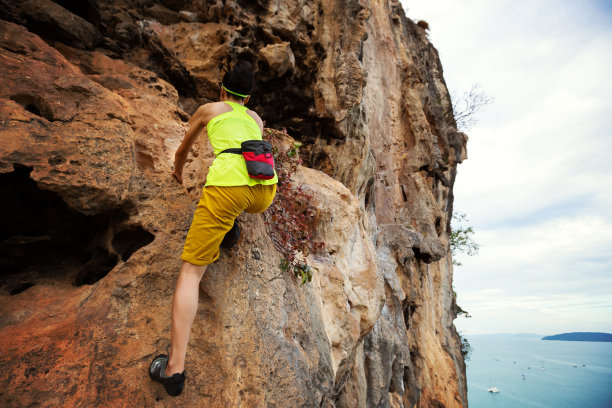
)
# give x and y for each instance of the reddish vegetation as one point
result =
(291, 219)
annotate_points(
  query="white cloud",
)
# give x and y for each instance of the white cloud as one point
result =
(545, 249)
(527, 273)
(537, 186)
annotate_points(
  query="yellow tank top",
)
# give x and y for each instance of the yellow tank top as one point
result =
(225, 131)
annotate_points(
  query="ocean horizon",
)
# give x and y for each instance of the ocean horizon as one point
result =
(530, 372)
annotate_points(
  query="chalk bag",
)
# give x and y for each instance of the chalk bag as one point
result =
(258, 158)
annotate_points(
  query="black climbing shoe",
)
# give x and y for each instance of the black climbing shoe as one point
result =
(157, 371)
(232, 237)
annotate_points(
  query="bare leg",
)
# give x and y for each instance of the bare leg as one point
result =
(184, 308)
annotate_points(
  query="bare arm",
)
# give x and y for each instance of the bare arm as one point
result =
(196, 124)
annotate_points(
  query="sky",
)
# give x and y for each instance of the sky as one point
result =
(537, 185)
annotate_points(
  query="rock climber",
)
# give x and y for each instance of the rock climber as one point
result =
(228, 191)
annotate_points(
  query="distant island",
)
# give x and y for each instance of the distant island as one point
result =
(581, 336)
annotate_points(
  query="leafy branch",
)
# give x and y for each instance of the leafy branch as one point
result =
(465, 347)
(461, 238)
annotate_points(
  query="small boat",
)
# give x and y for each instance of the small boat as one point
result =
(493, 389)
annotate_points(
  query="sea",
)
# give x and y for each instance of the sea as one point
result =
(535, 373)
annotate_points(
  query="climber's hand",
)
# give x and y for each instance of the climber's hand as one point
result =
(177, 176)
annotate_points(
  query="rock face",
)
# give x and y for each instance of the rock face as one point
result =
(94, 100)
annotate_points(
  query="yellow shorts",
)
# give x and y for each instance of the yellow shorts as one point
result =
(215, 215)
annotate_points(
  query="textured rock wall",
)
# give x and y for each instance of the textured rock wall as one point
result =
(94, 100)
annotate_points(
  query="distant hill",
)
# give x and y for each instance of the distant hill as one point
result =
(580, 336)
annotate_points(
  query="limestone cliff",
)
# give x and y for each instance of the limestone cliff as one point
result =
(94, 100)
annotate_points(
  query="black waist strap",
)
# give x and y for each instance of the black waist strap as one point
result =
(233, 150)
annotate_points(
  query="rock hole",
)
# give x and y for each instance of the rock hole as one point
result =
(412, 390)
(438, 224)
(87, 10)
(182, 115)
(45, 241)
(33, 104)
(360, 48)
(409, 310)
(32, 109)
(422, 256)
(404, 193)
(20, 287)
(321, 161)
(55, 160)
(369, 193)
(128, 241)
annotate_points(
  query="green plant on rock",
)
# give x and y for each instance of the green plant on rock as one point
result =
(460, 238)
(302, 270)
(290, 218)
(294, 150)
(461, 311)
(461, 241)
(465, 347)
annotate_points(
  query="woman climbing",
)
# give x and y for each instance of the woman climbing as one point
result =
(229, 190)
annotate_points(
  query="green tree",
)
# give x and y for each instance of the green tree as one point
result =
(461, 240)
(466, 347)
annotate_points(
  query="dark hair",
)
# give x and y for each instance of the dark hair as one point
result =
(240, 78)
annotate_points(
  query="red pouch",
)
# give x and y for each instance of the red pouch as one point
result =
(258, 157)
